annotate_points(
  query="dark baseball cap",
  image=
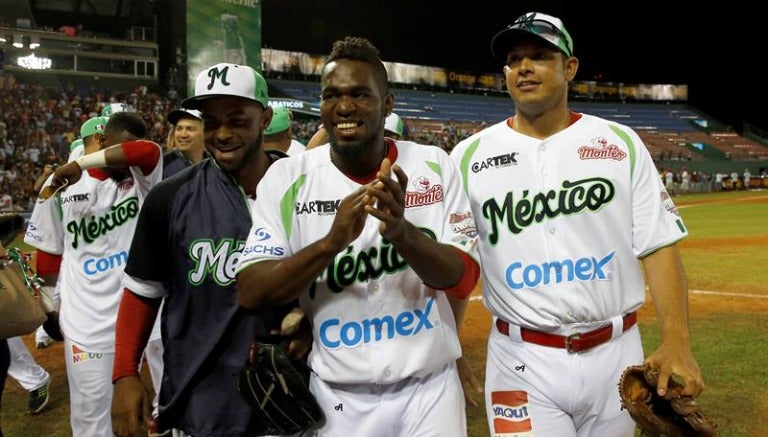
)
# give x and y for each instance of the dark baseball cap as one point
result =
(546, 27)
(177, 114)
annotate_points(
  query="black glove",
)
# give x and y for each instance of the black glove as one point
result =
(277, 389)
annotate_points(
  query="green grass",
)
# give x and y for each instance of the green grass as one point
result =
(730, 349)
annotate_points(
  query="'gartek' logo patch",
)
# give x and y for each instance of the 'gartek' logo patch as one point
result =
(510, 414)
(600, 149)
(319, 207)
(498, 161)
(75, 198)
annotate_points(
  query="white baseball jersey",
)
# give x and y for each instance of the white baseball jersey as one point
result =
(91, 224)
(374, 320)
(295, 148)
(564, 220)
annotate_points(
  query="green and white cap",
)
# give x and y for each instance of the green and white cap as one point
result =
(546, 27)
(111, 108)
(394, 124)
(281, 121)
(92, 126)
(228, 80)
(75, 144)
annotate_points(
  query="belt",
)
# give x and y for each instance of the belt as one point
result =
(572, 343)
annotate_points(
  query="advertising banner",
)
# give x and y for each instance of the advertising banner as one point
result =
(222, 31)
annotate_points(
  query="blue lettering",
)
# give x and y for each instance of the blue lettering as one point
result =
(511, 413)
(351, 334)
(567, 270)
(93, 266)
(267, 250)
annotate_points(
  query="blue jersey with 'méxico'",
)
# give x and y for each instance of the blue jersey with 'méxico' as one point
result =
(188, 238)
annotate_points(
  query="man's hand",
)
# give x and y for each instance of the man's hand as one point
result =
(130, 404)
(389, 196)
(349, 221)
(63, 176)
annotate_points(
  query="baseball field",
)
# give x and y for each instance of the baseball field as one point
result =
(725, 258)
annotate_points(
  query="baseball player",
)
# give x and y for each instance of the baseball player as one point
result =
(278, 133)
(82, 236)
(191, 231)
(373, 254)
(566, 204)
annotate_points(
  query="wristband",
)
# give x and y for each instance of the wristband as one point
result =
(92, 160)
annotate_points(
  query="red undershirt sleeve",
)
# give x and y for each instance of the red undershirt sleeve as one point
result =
(468, 281)
(47, 263)
(135, 318)
(141, 153)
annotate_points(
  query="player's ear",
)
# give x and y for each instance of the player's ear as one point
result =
(571, 67)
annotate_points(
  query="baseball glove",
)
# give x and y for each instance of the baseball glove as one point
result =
(277, 389)
(672, 415)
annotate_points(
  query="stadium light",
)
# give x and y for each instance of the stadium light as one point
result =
(32, 62)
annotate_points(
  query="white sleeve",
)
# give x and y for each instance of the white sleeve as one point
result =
(46, 230)
(272, 218)
(655, 220)
(459, 228)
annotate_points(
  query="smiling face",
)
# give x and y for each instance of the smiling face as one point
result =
(233, 127)
(355, 102)
(537, 76)
(188, 135)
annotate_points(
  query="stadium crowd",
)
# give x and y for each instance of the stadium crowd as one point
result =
(38, 124)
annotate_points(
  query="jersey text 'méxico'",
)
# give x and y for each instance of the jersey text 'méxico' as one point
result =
(373, 319)
(91, 225)
(564, 220)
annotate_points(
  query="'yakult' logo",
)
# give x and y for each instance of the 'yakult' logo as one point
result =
(510, 414)
(334, 334)
(568, 270)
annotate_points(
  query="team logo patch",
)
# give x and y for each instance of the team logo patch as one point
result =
(81, 356)
(463, 223)
(669, 205)
(600, 149)
(511, 415)
(425, 193)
